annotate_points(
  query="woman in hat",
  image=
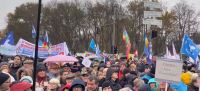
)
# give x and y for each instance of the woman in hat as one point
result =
(24, 72)
(4, 82)
(41, 75)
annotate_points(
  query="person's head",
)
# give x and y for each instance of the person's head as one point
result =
(106, 86)
(101, 67)
(85, 77)
(4, 70)
(9, 58)
(70, 78)
(100, 75)
(114, 75)
(77, 85)
(4, 81)
(133, 67)
(54, 83)
(65, 88)
(162, 85)
(17, 60)
(147, 69)
(126, 71)
(27, 79)
(28, 64)
(22, 74)
(104, 72)
(192, 67)
(195, 81)
(108, 64)
(137, 84)
(122, 66)
(63, 74)
(67, 67)
(92, 83)
(3, 65)
(41, 71)
(54, 68)
(95, 66)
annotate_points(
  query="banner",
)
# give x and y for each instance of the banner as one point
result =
(58, 49)
(8, 50)
(25, 48)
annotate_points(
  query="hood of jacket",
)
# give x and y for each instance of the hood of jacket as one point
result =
(109, 73)
(78, 82)
(27, 72)
(130, 79)
(153, 81)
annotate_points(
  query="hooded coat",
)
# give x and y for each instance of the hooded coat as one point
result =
(153, 81)
(78, 82)
(115, 85)
(27, 72)
(130, 79)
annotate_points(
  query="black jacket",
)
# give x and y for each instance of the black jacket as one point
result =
(191, 87)
(130, 79)
(13, 70)
(115, 84)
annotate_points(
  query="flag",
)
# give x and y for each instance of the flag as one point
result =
(9, 39)
(46, 40)
(189, 48)
(135, 53)
(105, 61)
(33, 31)
(97, 50)
(174, 52)
(93, 45)
(127, 43)
(116, 56)
(88, 53)
(146, 42)
(147, 51)
(168, 54)
(40, 43)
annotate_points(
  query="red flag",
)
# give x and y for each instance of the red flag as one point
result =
(135, 53)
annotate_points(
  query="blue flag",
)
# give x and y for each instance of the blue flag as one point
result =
(147, 51)
(97, 50)
(33, 31)
(40, 43)
(93, 45)
(9, 39)
(189, 48)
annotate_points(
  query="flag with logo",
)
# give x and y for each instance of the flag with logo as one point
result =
(147, 51)
(189, 48)
(9, 39)
(93, 45)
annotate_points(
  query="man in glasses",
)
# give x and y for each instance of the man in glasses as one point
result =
(53, 71)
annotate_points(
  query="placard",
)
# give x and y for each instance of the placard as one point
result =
(8, 50)
(168, 70)
(25, 48)
(86, 62)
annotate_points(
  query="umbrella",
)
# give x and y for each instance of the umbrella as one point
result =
(60, 59)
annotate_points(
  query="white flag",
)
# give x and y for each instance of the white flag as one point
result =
(174, 52)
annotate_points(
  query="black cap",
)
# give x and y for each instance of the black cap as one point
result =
(3, 77)
(70, 76)
(126, 70)
(106, 84)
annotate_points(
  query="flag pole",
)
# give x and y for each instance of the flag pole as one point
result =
(36, 44)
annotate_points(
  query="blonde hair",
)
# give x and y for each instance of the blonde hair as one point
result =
(56, 81)
(100, 73)
(194, 76)
(138, 83)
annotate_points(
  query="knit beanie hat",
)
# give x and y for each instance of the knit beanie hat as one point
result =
(126, 70)
(185, 78)
(27, 79)
(3, 63)
(106, 84)
(40, 68)
(3, 77)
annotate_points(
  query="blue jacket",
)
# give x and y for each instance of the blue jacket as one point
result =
(77, 82)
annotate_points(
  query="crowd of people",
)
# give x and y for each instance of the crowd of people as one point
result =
(114, 75)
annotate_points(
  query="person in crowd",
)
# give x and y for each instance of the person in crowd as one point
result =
(153, 84)
(146, 70)
(3, 65)
(92, 83)
(162, 86)
(24, 72)
(63, 75)
(77, 85)
(23, 86)
(39, 87)
(54, 85)
(28, 64)
(53, 71)
(12, 79)
(101, 81)
(112, 77)
(130, 80)
(122, 80)
(69, 79)
(185, 78)
(27, 79)
(133, 69)
(67, 67)
(137, 84)
(184, 66)
(108, 64)
(65, 88)
(107, 86)
(122, 67)
(15, 66)
(101, 66)
(149, 75)
(10, 63)
(95, 66)
(140, 67)
(4, 82)
(100, 75)
(41, 75)
(114, 66)
(75, 70)
(144, 87)
(194, 85)
(9, 58)
(85, 76)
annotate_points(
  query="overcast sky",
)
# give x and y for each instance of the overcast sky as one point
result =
(7, 6)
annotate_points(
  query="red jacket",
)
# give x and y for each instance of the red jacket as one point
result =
(120, 73)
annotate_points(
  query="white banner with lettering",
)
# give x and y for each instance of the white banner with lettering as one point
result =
(8, 50)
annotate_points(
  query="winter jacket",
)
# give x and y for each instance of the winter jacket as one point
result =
(191, 87)
(101, 81)
(51, 75)
(115, 85)
(130, 79)
(181, 87)
(13, 70)
(170, 88)
(27, 72)
(153, 81)
(120, 73)
(129, 86)
(78, 82)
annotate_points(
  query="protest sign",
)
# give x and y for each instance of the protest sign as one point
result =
(168, 70)
(25, 48)
(8, 50)
(86, 62)
(58, 49)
